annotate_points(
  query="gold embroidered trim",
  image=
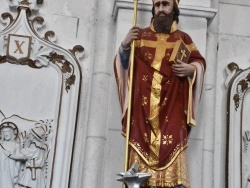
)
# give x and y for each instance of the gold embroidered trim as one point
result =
(155, 98)
(176, 174)
(192, 47)
(179, 148)
(190, 120)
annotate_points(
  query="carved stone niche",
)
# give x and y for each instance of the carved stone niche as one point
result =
(238, 108)
(39, 96)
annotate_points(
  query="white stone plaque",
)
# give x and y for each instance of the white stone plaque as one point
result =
(40, 84)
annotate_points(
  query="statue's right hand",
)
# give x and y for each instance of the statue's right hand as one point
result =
(131, 35)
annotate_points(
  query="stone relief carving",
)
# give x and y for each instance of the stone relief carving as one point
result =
(9, 144)
(246, 140)
(23, 154)
(238, 154)
(66, 68)
(245, 159)
(36, 152)
(241, 87)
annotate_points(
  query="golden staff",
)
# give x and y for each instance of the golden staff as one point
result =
(132, 57)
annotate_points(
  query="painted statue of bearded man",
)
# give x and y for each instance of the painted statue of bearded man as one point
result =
(164, 99)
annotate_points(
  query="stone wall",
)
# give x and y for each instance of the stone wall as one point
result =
(233, 42)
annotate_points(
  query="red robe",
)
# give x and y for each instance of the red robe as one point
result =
(161, 100)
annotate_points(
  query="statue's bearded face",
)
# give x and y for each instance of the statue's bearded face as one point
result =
(162, 24)
(163, 15)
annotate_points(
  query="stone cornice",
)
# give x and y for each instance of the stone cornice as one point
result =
(202, 12)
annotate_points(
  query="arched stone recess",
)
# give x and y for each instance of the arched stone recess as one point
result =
(238, 127)
(40, 85)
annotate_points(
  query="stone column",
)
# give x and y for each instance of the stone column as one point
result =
(96, 137)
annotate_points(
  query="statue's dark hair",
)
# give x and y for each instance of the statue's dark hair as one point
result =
(176, 12)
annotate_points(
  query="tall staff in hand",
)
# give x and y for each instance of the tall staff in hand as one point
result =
(131, 77)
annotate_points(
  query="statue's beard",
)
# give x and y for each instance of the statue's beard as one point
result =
(162, 24)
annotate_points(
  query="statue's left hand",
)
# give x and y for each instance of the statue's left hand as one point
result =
(182, 69)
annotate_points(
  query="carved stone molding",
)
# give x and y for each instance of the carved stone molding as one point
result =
(202, 12)
(238, 127)
(31, 4)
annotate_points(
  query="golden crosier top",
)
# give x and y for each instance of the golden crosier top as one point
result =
(177, 1)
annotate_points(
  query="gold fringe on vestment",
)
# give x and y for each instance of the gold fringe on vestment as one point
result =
(176, 174)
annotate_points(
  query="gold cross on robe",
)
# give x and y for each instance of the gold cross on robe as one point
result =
(161, 45)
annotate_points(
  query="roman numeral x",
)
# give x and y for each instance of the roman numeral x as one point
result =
(18, 45)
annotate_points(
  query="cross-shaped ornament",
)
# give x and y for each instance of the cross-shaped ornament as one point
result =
(183, 54)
